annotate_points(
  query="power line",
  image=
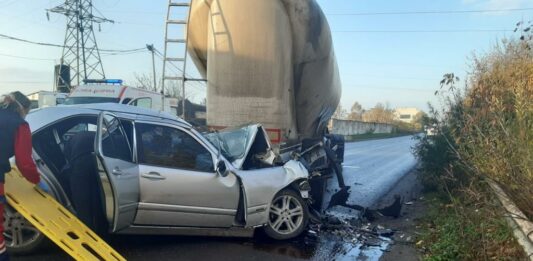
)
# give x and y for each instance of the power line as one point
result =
(426, 31)
(123, 11)
(432, 12)
(27, 58)
(7, 37)
(49, 59)
(381, 77)
(28, 41)
(24, 82)
(124, 53)
(373, 13)
(387, 88)
(369, 13)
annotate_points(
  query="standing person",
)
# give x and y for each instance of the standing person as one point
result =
(15, 140)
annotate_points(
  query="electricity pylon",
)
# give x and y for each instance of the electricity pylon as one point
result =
(80, 50)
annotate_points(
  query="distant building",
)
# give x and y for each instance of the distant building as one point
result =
(195, 113)
(406, 114)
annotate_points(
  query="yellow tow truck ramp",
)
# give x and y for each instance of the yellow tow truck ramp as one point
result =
(56, 222)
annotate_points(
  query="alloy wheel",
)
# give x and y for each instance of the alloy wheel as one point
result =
(286, 214)
(18, 231)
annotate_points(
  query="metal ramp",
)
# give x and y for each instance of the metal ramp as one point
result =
(56, 222)
(175, 51)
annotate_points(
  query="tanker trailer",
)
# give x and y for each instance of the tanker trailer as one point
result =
(270, 62)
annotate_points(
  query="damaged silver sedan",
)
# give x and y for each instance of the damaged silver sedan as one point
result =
(127, 170)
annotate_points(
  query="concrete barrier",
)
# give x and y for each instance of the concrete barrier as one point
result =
(347, 127)
(519, 223)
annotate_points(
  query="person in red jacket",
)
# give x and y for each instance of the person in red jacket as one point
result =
(15, 140)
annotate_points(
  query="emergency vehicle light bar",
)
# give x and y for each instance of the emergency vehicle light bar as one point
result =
(104, 81)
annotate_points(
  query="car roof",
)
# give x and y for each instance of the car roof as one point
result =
(40, 118)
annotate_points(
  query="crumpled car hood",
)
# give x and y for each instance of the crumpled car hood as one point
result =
(237, 142)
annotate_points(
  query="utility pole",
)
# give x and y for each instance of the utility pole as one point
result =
(150, 48)
(183, 100)
(80, 50)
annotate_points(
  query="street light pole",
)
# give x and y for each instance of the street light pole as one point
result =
(183, 98)
(150, 48)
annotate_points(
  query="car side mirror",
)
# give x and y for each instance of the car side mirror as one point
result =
(221, 169)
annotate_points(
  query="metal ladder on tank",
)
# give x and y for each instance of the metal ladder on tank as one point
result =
(180, 62)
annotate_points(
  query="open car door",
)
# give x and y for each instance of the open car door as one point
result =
(118, 173)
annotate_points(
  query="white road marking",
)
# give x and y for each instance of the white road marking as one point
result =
(351, 167)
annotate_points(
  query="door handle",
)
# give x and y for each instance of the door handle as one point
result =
(117, 171)
(153, 175)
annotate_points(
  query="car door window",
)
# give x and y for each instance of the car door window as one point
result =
(80, 127)
(143, 103)
(169, 147)
(115, 143)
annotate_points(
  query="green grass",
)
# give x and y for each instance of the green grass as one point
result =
(466, 230)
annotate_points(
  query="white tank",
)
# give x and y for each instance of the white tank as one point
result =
(266, 61)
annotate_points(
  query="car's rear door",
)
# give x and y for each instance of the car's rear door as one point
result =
(118, 173)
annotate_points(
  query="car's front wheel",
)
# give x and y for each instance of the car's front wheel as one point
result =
(288, 216)
(20, 235)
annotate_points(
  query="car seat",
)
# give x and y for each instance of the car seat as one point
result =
(83, 180)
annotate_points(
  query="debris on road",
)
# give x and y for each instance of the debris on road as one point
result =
(347, 225)
(385, 232)
(394, 210)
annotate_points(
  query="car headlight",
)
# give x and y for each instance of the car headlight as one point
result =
(304, 186)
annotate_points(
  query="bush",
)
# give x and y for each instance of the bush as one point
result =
(435, 161)
(497, 136)
(441, 167)
(486, 131)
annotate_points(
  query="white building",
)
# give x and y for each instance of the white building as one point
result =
(406, 114)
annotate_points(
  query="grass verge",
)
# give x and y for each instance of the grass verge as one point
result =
(464, 227)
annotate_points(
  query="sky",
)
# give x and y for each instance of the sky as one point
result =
(391, 52)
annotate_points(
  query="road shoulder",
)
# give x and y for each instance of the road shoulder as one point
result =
(406, 230)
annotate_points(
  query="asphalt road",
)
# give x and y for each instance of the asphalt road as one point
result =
(371, 168)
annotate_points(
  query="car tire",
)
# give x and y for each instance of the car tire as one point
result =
(288, 216)
(27, 239)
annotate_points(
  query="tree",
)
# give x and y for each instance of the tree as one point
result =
(420, 120)
(145, 81)
(380, 113)
(173, 89)
(340, 113)
(356, 113)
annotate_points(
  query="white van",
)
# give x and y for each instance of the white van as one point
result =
(42, 99)
(104, 92)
